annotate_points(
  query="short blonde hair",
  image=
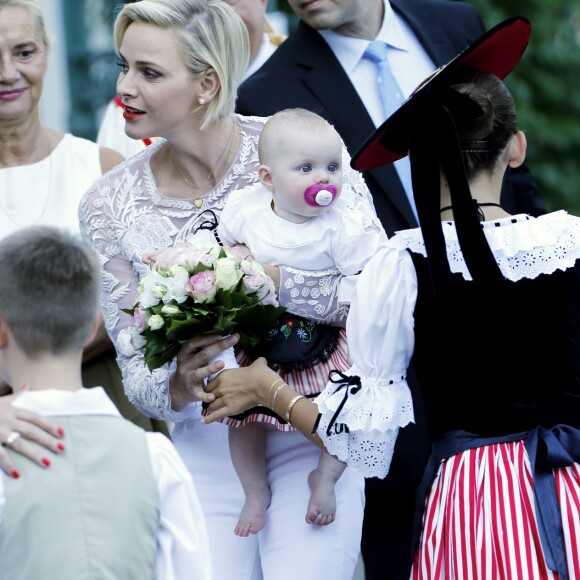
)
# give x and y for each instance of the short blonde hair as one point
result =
(212, 36)
(35, 11)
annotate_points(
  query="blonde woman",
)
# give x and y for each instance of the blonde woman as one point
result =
(180, 64)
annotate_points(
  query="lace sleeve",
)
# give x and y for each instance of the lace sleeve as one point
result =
(315, 295)
(100, 223)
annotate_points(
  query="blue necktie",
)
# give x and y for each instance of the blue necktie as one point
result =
(392, 98)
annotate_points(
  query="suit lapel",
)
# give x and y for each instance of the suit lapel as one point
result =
(326, 78)
(430, 37)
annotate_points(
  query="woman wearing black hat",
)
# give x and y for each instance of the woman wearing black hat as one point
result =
(488, 306)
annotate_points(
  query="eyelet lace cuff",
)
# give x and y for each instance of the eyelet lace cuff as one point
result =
(364, 432)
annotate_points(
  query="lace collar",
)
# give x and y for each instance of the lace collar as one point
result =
(524, 246)
(215, 197)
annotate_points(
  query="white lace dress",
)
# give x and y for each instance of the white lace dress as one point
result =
(123, 214)
(380, 329)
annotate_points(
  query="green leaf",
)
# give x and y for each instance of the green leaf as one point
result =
(156, 359)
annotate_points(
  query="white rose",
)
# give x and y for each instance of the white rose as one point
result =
(152, 289)
(227, 275)
(176, 286)
(170, 310)
(155, 322)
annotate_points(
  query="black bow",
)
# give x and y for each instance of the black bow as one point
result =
(550, 449)
(344, 382)
(209, 223)
(434, 146)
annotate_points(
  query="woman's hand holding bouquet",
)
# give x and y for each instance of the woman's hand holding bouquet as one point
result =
(201, 288)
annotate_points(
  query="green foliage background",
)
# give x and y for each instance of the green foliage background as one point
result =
(546, 88)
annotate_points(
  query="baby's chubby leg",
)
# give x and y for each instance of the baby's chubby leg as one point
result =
(248, 451)
(322, 504)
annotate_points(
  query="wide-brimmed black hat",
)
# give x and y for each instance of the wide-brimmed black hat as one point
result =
(496, 52)
(424, 127)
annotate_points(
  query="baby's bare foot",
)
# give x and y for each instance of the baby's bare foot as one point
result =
(321, 509)
(253, 515)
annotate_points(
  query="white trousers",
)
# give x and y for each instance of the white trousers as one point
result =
(287, 548)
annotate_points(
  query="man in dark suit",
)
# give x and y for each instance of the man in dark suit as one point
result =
(309, 70)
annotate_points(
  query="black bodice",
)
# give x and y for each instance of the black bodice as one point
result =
(494, 361)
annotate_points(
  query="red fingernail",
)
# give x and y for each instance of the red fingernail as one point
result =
(60, 431)
(60, 446)
(45, 461)
(15, 474)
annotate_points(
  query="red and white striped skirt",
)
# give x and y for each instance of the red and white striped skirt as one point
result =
(480, 520)
(309, 382)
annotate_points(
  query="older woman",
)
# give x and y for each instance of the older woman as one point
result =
(181, 61)
(43, 172)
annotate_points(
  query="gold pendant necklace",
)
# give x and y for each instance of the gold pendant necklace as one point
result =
(211, 177)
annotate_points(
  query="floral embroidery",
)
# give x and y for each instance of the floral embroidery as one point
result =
(302, 329)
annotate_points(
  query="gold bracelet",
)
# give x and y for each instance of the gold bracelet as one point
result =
(271, 388)
(290, 405)
(276, 394)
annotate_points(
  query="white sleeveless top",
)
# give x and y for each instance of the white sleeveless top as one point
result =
(48, 192)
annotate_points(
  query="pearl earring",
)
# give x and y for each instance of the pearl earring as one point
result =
(201, 101)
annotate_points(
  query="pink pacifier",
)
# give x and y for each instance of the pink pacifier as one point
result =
(319, 195)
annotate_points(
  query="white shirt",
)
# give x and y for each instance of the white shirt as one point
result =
(182, 543)
(48, 192)
(381, 325)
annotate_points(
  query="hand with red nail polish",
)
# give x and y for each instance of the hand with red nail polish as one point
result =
(33, 430)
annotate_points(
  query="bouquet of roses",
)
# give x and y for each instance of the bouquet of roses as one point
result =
(201, 288)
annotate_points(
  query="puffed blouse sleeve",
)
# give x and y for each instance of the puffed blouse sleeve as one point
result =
(362, 410)
(315, 295)
(105, 212)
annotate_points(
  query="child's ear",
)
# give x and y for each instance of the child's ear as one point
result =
(517, 149)
(94, 329)
(265, 177)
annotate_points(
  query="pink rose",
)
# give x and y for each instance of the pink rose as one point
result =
(139, 319)
(263, 286)
(202, 286)
(181, 255)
